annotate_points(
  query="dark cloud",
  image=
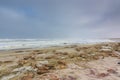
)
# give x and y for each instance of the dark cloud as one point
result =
(59, 18)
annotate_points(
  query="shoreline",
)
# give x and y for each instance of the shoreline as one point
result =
(67, 62)
(62, 45)
(34, 43)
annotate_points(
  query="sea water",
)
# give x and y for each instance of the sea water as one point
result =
(7, 44)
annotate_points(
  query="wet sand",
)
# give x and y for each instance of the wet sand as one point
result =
(70, 62)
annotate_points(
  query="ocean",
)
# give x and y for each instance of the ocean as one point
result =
(7, 44)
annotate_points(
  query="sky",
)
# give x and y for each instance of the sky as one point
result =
(58, 19)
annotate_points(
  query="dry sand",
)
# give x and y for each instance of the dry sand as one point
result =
(71, 62)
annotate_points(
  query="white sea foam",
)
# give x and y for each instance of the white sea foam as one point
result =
(6, 44)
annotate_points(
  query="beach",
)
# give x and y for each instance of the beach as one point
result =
(99, 61)
(59, 39)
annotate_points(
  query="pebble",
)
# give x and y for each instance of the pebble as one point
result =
(118, 63)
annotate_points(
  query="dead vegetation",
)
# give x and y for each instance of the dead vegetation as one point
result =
(57, 59)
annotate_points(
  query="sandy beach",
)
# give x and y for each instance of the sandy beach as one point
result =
(59, 39)
(71, 62)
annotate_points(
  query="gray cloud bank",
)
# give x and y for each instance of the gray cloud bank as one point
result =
(59, 18)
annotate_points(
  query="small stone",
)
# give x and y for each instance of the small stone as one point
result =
(61, 62)
(62, 67)
(26, 58)
(118, 63)
(111, 71)
(101, 75)
(71, 78)
(43, 69)
(40, 63)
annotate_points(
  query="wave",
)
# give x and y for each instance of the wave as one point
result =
(7, 44)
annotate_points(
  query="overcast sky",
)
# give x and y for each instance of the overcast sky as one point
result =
(47, 19)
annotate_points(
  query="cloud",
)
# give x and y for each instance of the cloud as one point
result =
(59, 18)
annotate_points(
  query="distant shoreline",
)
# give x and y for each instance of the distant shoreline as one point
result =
(12, 44)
